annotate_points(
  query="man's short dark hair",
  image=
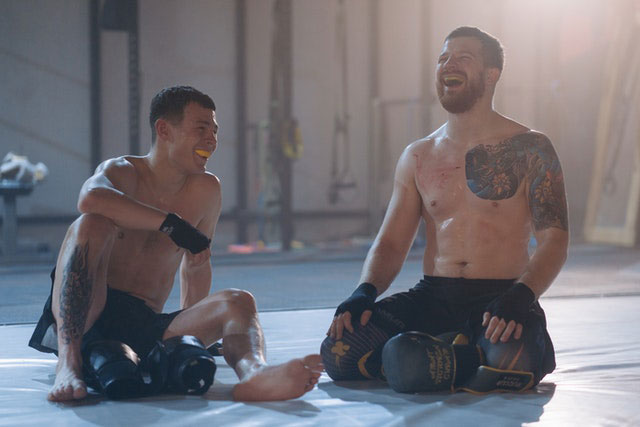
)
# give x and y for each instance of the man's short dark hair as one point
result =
(492, 51)
(170, 102)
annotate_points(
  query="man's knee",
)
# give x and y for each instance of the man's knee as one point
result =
(240, 301)
(355, 356)
(93, 226)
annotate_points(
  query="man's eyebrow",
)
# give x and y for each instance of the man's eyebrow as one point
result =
(203, 122)
(462, 52)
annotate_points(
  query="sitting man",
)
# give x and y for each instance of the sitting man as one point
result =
(118, 261)
(481, 183)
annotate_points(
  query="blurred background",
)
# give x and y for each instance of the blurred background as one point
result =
(316, 99)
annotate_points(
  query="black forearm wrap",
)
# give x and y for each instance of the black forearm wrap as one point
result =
(170, 223)
(514, 304)
(362, 299)
(522, 293)
(184, 234)
(367, 289)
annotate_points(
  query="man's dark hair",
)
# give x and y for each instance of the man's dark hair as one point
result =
(169, 104)
(492, 51)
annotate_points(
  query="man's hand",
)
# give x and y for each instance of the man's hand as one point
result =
(184, 234)
(508, 313)
(359, 306)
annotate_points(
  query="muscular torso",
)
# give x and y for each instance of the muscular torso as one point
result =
(475, 203)
(144, 263)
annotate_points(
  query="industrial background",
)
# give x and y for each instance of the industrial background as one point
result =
(316, 99)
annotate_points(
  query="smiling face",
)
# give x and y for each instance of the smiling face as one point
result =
(460, 74)
(194, 139)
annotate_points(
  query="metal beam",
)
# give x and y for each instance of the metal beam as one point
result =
(95, 94)
(372, 176)
(134, 81)
(280, 118)
(241, 134)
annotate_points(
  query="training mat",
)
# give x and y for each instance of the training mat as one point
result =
(597, 382)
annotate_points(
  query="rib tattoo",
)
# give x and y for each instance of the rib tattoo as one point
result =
(75, 295)
(494, 172)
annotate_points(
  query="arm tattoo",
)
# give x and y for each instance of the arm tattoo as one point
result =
(75, 295)
(494, 172)
(547, 200)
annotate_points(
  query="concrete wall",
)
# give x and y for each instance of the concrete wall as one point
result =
(44, 96)
(551, 82)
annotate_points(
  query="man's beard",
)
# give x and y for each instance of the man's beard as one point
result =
(463, 100)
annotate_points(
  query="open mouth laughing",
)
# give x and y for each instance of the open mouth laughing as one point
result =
(453, 80)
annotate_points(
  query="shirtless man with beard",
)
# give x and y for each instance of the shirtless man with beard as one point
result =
(142, 218)
(483, 184)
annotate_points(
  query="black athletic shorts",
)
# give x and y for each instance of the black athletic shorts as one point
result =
(125, 318)
(437, 305)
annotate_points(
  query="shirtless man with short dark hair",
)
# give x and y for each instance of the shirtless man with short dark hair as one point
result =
(118, 261)
(482, 183)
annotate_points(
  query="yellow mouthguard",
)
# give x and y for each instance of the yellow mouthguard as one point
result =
(203, 153)
(453, 79)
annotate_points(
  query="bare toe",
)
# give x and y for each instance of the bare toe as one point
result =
(68, 384)
(313, 361)
(281, 382)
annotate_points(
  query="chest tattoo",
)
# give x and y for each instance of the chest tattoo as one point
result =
(495, 172)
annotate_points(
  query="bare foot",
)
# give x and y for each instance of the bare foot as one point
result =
(68, 384)
(281, 382)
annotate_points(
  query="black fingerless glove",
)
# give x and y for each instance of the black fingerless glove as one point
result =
(514, 304)
(361, 300)
(184, 234)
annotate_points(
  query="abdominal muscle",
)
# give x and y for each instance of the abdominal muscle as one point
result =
(475, 248)
(143, 264)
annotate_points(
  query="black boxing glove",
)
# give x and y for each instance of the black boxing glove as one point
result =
(112, 368)
(514, 304)
(181, 364)
(361, 300)
(184, 234)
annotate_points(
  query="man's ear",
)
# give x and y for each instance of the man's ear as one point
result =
(493, 75)
(163, 129)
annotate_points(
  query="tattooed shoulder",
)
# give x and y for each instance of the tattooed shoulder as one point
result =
(547, 200)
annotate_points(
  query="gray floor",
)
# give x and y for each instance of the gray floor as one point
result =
(591, 311)
(595, 383)
(323, 277)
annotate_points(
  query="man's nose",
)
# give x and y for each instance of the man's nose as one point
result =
(450, 64)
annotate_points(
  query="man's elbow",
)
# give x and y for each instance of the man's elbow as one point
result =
(564, 249)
